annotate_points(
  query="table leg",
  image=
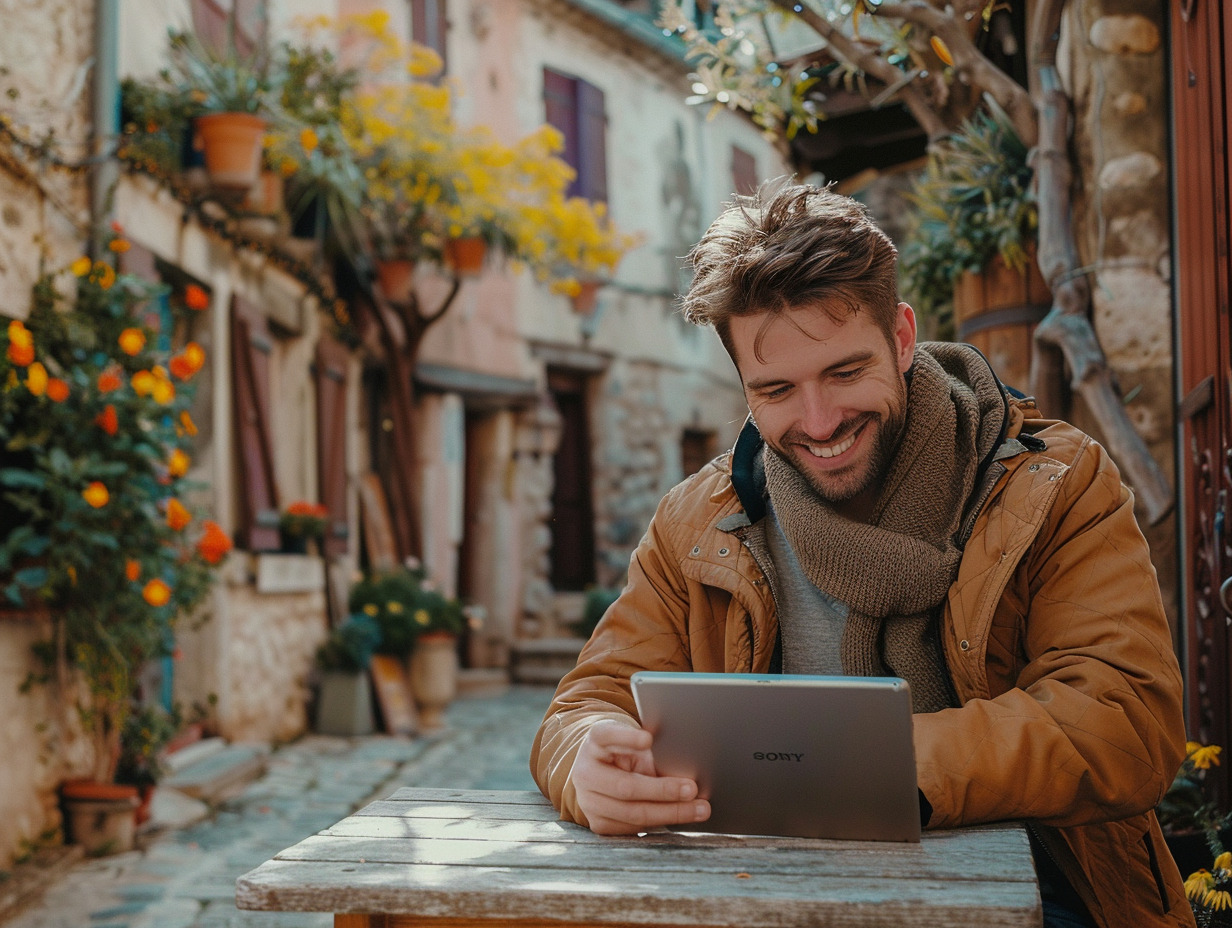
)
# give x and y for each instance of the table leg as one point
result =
(351, 920)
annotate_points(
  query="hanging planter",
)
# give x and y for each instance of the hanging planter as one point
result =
(464, 256)
(586, 298)
(396, 279)
(232, 144)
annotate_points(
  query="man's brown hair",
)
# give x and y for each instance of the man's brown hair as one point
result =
(787, 246)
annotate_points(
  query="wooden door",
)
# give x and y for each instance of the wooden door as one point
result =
(1201, 36)
(573, 524)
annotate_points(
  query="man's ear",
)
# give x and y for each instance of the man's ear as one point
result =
(904, 337)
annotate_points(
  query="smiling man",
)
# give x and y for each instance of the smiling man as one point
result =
(891, 509)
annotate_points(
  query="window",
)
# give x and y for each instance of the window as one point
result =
(428, 25)
(210, 23)
(697, 449)
(743, 171)
(576, 108)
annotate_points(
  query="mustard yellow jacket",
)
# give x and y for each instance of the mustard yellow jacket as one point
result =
(1056, 639)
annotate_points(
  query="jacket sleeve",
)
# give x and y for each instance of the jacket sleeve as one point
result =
(644, 629)
(1090, 726)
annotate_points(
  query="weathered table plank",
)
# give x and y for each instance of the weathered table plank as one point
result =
(442, 858)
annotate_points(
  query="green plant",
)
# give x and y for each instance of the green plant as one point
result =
(147, 730)
(96, 436)
(1187, 806)
(156, 121)
(973, 203)
(304, 519)
(350, 644)
(222, 79)
(598, 600)
(405, 605)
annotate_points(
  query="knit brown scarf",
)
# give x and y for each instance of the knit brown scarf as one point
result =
(894, 571)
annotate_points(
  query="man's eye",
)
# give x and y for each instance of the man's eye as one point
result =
(776, 392)
(848, 374)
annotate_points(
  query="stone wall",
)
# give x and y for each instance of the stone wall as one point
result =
(1116, 72)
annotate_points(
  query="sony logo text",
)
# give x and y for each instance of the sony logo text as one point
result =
(777, 755)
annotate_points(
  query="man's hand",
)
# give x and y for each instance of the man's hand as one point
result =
(618, 789)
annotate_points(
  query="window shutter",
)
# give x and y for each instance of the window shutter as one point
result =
(592, 142)
(209, 21)
(560, 110)
(251, 346)
(428, 25)
(330, 371)
(743, 171)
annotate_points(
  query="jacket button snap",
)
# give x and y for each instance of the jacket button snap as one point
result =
(1033, 468)
(965, 645)
(723, 552)
(697, 549)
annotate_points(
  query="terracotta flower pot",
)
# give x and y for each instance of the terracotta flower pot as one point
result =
(101, 817)
(396, 278)
(587, 297)
(232, 144)
(464, 256)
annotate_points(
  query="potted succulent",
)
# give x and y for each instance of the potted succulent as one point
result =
(234, 90)
(420, 624)
(95, 420)
(344, 701)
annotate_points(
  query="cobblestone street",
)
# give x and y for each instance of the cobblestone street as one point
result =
(186, 878)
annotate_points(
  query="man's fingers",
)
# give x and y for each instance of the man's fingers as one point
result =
(611, 817)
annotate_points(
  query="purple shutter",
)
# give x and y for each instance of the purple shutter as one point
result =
(592, 142)
(560, 107)
(251, 346)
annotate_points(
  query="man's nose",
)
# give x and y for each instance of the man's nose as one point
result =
(820, 416)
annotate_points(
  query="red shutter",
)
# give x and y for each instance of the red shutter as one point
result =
(330, 370)
(743, 171)
(251, 345)
(592, 142)
(560, 108)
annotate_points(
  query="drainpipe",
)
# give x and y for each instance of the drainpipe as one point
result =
(105, 113)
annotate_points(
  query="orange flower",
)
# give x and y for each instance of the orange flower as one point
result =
(103, 274)
(942, 50)
(36, 379)
(143, 383)
(132, 341)
(214, 543)
(156, 593)
(187, 426)
(132, 570)
(109, 380)
(119, 245)
(96, 495)
(107, 420)
(57, 390)
(308, 138)
(196, 298)
(177, 465)
(81, 267)
(21, 344)
(188, 361)
(163, 390)
(177, 516)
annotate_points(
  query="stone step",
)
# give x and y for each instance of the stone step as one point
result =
(543, 661)
(220, 774)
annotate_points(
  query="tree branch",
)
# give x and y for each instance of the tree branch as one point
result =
(969, 62)
(868, 62)
(1067, 331)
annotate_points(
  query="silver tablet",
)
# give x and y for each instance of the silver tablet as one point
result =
(791, 755)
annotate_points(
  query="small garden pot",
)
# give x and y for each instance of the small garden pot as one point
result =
(101, 817)
(396, 278)
(587, 297)
(344, 704)
(232, 144)
(433, 675)
(464, 256)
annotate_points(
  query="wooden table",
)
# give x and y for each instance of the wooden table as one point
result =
(433, 857)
